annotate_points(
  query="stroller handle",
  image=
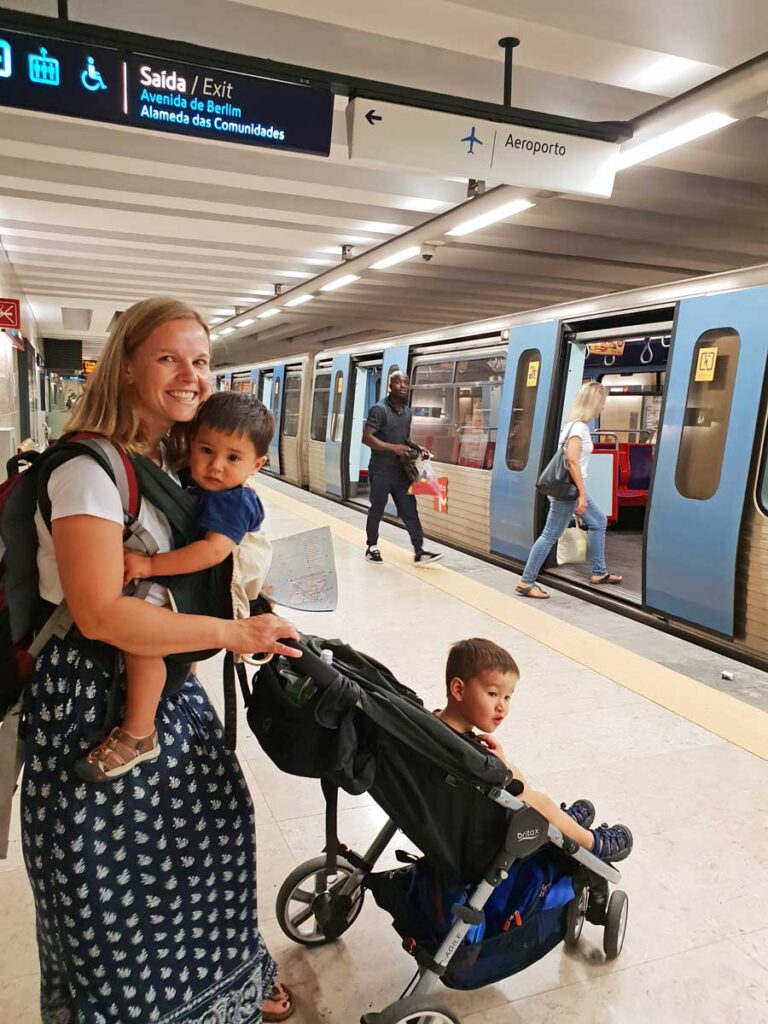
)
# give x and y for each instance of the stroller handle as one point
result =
(322, 674)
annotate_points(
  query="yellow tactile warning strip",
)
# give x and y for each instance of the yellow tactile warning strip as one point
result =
(719, 713)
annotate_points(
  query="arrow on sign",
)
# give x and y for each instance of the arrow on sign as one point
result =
(372, 116)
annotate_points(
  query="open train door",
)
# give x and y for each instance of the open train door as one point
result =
(522, 423)
(334, 441)
(276, 405)
(713, 396)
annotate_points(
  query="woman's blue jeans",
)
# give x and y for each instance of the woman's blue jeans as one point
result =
(560, 515)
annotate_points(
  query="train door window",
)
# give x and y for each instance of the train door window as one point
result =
(456, 409)
(265, 390)
(707, 413)
(292, 401)
(337, 413)
(319, 420)
(523, 408)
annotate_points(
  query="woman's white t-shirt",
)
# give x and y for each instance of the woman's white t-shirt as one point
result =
(576, 428)
(81, 488)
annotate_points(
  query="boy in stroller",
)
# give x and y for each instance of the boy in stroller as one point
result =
(480, 678)
(498, 887)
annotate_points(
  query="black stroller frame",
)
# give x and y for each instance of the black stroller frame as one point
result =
(327, 892)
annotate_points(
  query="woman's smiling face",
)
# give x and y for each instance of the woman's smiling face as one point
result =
(168, 375)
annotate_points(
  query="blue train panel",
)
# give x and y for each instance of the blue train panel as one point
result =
(705, 447)
(337, 404)
(278, 387)
(517, 462)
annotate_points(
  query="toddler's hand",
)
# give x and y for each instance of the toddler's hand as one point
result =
(493, 745)
(135, 566)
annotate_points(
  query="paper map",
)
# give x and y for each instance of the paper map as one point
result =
(303, 572)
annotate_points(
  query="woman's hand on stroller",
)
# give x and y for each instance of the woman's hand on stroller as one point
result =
(262, 634)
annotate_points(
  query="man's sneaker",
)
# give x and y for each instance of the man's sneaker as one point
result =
(426, 557)
(612, 843)
(373, 555)
(582, 812)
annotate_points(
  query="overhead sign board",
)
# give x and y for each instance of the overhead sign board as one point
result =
(10, 314)
(142, 91)
(441, 143)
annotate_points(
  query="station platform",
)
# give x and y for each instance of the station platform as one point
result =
(639, 722)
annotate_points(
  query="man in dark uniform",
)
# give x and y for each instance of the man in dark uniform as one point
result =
(386, 432)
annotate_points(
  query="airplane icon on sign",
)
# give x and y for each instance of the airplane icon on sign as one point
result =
(473, 140)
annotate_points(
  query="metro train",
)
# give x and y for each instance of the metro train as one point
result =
(680, 448)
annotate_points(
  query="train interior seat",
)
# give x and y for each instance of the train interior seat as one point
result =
(635, 464)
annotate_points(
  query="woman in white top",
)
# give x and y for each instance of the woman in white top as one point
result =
(145, 890)
(587, 405)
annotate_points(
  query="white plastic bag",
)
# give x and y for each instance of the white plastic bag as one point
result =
(572, 546)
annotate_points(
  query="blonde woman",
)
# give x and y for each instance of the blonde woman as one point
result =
(577, 439)
(145, 890)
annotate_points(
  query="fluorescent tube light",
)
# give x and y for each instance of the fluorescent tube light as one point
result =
(227, 330)
(663, 70)
(672, 139)
(340, 282)
(397, 257)
(300, 300)
(490, 217)
(268, 312)
(245, 323)
(213, 336)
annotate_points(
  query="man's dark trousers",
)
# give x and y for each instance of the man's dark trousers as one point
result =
(386, 480)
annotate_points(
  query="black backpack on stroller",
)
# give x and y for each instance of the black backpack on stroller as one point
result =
(497, 888)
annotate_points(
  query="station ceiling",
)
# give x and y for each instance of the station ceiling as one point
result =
(94, 217)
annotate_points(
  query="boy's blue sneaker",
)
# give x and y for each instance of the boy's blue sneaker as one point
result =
(582, 812)
(612, 843)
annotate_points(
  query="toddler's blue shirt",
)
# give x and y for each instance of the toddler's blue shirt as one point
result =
(232, 513)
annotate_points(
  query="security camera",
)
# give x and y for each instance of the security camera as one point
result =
(428, 252)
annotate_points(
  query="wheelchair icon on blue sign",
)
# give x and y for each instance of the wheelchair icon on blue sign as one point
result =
(91, 77)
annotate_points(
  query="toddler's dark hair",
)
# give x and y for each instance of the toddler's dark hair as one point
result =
(468, 658)
(235, 412)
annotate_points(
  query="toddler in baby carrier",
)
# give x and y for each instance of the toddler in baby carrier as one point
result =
(498, 886)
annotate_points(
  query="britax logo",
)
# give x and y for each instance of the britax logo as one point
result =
(530, 833)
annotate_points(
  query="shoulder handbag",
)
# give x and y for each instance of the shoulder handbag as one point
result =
(555, 480)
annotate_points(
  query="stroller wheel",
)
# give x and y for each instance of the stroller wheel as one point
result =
(615, 924)
(575, 917)
(311, 909)
(414, 1010)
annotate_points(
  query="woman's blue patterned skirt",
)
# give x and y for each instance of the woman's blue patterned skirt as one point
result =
(145, 887)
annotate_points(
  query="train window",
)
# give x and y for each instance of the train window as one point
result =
(434, 373)
(707, 413)
(337, 415)
(457, 421)
(523, 408)
(242, 381)
(319, 424)
(292, 400)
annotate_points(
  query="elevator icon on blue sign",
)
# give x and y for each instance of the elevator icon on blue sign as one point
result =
(44, 70)
(6, 60)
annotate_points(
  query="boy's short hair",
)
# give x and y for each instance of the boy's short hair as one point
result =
(235, 412)
(468, 658)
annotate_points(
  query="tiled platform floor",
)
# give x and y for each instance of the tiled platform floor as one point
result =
(697, 942)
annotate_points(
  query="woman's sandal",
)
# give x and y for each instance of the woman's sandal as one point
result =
(609, 577)
(282, 995)
(527, 591)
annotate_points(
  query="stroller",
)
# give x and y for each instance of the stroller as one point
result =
(498, 886)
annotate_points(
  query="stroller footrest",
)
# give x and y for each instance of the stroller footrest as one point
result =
(469, 915)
